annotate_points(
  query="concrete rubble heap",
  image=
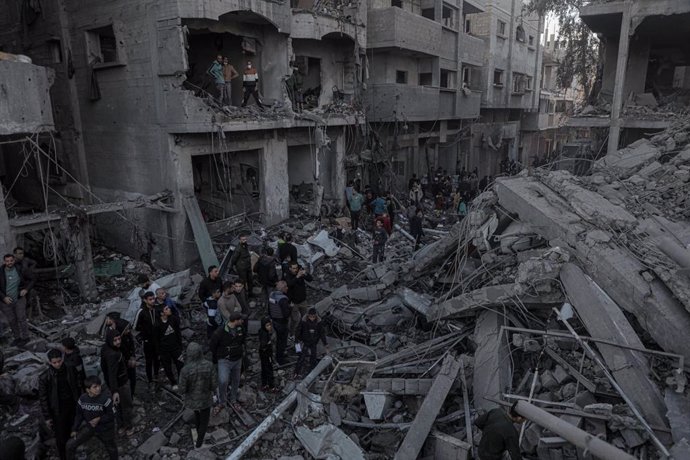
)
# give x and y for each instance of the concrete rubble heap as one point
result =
(568, 294)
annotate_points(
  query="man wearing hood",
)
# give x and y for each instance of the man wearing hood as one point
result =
(114, 367)
(266, 354)
(127, 345)
(198, 382)
(72, 356)
(59, 389)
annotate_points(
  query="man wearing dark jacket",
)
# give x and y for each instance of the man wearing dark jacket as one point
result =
(309, 332)
(114, 370)
(15, 285)
(145, 323)
(198, 382)
(170, 344)
(279, 312)
(58, 391)
(265, 270)
(127, 345)
(287, 252)
(296, 278)
(210, 284)
(380, 238)
(499, 434)
(416, 229)
(266, 354)
(241, 262)
(95, 410)
(227, 349)
(73, 359)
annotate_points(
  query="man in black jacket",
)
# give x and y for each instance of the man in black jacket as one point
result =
(127, 345)
(58, 391)
(499, 434)
(309, 333)
(15, 285)
(210, 284)
(73, 359)
(287, 252)
(266, 354)
(296, 278)
(380, 238)
(279, 311)
(95, 410)
(145, 323)
(416, 227)
(227, 349)
(114, 370)
(241, 262)
(170, 344)
(265, 270)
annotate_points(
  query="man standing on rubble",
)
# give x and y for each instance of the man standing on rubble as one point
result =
(164, 300)
(213, 319)
(216, 72)
(198, 382)
(227, 349)
(210, 284)
(170, 344)
(250, 81)
(59, 389)
(279, 311)
(356, 201)
(229, 74)
(265, 270)
(72, 357)
(499, 434)
(114, 369)
(416, 227)
(145, 323)
(309, 333)
(287, 252)
(380, 238)
(241, 262)
(15, 285)
(296, 279)
(95, 408)
(128, 345)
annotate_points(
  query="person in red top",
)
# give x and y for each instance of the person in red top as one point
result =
(386, 221)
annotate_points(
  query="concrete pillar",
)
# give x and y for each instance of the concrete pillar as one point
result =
(7, 238)
(338, 178)
(76, 231)
(274, 182)
(621, 66)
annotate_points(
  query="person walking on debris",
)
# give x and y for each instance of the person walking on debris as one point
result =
(210, 284)
(95, 410)
(213, 320)
(15, 285)
(114, 369)
(216, 72)
(170, 344)
(279, 311)
(250, 81)
(309, 332)
(59, 388)
(380, 238)
(198, 382)
(296, 278)
(72, 357)
(229, 74)
(355, 203)
(416, 227)
(266, 354)
(241, 262)
(145, 324)
(227, 349)
(499, 434)
(127, 345)
(265, 270)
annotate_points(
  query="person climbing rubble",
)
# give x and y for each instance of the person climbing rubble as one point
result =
(95, 411)
(227, 349)
(499, 435)
(58, 391)
(309, 333)
(198, 382)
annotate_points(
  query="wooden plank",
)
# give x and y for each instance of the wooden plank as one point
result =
(414, 440)
(201, 236)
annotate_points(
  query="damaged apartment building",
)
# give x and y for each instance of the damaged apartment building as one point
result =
(138, 127)
(647, 49)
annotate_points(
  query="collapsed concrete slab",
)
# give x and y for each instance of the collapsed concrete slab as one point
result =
(614, 268)
(491, 374)
(603, 318)
(628, 160)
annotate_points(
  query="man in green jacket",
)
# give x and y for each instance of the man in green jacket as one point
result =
(198, 382)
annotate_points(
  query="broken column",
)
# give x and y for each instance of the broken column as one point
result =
(273, 178)
(491, 373)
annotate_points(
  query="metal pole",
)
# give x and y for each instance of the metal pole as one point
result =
(404, 233)
(597, 447)
(278, 411)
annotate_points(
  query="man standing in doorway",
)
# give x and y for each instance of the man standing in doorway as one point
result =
(229, 74)
(216, 72)
(15, 285)
(250, 81)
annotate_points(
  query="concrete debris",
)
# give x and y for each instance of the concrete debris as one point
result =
(329, 442)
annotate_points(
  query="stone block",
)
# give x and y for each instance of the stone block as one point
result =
(548, 381)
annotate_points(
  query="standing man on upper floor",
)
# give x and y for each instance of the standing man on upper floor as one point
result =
(15, 285)
(229, 74)
(250, 81)
(216, 72)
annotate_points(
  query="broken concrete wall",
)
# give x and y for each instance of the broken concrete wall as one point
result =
(25, 98)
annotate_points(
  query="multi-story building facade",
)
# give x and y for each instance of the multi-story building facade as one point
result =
(423, 85)
(510, 80)
(136, 112)
(645, 54)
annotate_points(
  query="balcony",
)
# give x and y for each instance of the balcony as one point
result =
(275, 13)
(25, 98)
(472, 50)
(391, 101)
(394, 28)
(543, 121)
